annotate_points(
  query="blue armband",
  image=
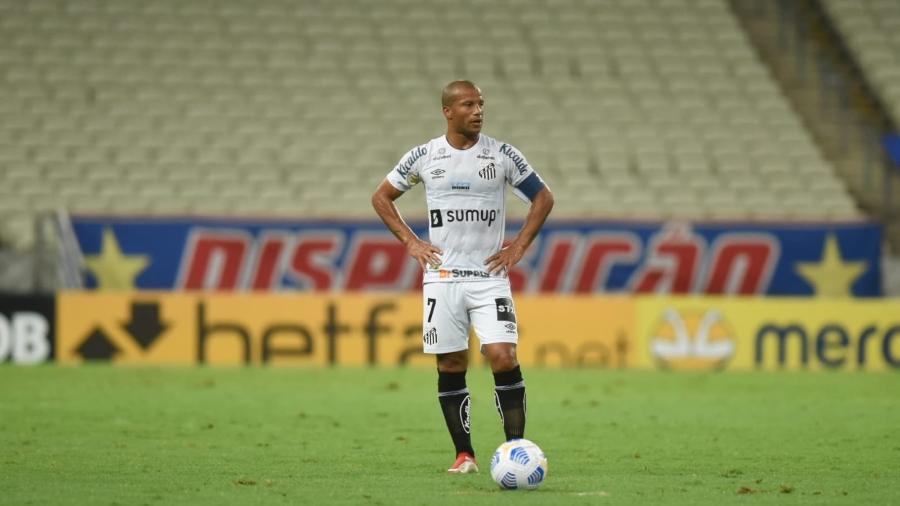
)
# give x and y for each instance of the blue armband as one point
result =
(531, 186)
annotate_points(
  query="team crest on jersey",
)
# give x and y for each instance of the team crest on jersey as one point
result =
(488, 172)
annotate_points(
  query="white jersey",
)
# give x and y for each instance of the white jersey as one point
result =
(465, 193)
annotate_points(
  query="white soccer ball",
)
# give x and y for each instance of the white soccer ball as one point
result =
(519, 464)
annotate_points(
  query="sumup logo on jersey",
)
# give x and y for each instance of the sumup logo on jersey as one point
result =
(462, 216)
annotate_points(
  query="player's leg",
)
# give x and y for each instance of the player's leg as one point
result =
(494, 318)
(453, 394)
(509, 388)
(446, 335)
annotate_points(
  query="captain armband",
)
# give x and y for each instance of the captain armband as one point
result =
(529, 187)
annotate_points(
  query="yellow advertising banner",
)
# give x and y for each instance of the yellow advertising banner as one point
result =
(576, 331)
(695, 333)
(735, 333)
(342, 329)
(135, 328)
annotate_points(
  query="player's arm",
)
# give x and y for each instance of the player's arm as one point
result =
(541, 205)
(383, 202)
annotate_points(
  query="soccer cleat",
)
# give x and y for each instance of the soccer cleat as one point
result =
(465, 463)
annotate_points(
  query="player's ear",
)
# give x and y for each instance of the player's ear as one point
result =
(446, 110)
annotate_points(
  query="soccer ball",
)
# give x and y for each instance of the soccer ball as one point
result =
(519, 464)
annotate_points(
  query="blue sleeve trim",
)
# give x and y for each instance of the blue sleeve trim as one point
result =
(531, 186)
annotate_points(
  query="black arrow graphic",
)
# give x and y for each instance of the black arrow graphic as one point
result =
(97, 346)
(145, 326)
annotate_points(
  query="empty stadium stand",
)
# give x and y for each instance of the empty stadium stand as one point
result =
(871, 28)
(628, 108)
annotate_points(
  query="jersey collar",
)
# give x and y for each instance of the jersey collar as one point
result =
(473, 146)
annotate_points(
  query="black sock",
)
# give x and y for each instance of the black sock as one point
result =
(509, 394)
(455, 403)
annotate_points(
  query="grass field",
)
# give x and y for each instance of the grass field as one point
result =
(102, 436)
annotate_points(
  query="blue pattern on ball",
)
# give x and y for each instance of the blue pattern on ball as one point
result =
(537, 476)
(509, 481)
(519, 455)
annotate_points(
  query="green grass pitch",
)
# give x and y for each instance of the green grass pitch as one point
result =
(131, 436)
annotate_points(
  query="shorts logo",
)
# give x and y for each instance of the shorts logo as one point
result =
(430, 337)
(436, 219)
(488, 172)
(505, 310)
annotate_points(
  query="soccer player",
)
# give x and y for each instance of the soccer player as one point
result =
(465, 266)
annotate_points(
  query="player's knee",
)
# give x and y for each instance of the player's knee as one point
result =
(504, 363)
(503, 358)
(452, 362)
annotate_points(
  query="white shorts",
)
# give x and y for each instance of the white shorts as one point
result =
(450, 308)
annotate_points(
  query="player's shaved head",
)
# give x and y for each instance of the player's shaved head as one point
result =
(452, 90)
(463, 107)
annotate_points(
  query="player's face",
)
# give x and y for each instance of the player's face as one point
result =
(466, 114)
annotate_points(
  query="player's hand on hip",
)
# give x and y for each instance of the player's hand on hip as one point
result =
(505, 259)
(425, 253)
